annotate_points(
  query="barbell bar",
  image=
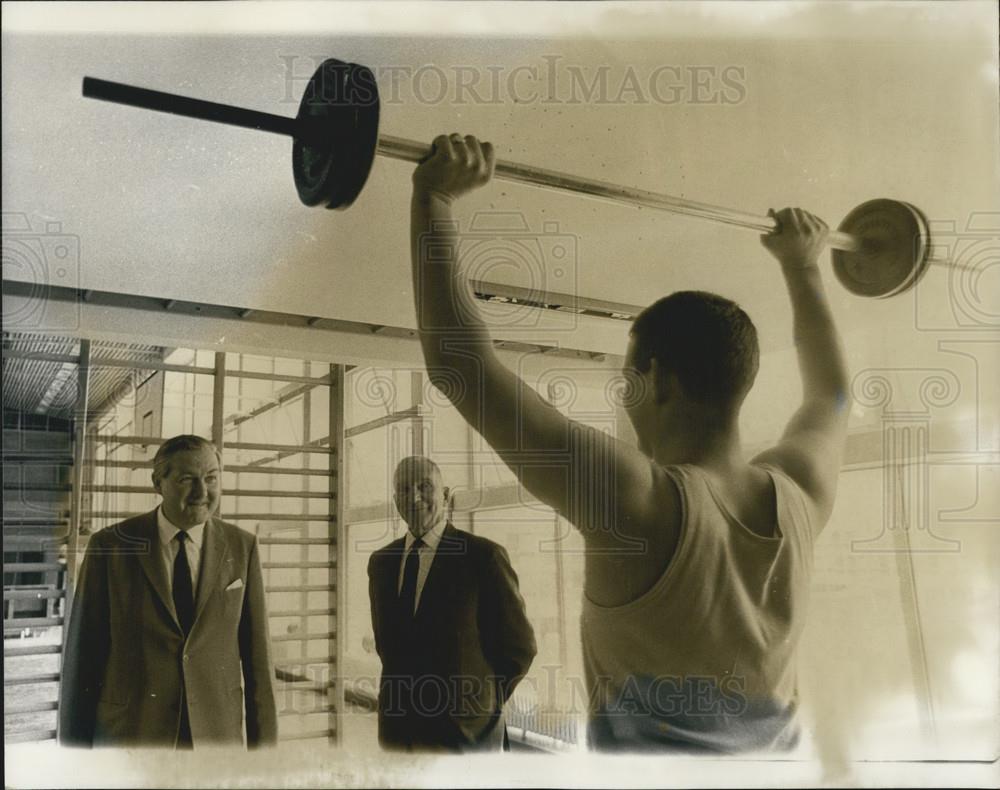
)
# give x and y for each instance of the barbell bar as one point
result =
(882, 247)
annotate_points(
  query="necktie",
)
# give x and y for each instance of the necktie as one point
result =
(408, 595)
(183, 589)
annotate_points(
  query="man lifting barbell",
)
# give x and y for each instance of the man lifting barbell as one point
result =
(697, 561)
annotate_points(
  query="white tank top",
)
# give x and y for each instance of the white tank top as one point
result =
(704, 660)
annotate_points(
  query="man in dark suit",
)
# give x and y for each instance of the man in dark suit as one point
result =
(167, 641)
(450, 625)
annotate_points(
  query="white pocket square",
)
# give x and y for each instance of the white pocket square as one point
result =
(235, 585)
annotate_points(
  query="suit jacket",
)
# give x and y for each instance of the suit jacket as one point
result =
(447, 671)
(126, 664)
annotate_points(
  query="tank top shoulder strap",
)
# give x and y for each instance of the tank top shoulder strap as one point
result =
(794, 515)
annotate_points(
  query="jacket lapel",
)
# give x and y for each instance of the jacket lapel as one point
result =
(152, 564)
(214, 553)
(389, 574)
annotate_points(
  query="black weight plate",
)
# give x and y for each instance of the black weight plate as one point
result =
(340, 110)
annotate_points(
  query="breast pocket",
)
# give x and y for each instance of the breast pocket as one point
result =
(232, 595)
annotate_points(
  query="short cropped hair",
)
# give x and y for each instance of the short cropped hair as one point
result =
(707, 341)
(179, 444)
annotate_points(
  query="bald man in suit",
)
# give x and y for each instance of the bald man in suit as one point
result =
(450, 626)
(167, 642)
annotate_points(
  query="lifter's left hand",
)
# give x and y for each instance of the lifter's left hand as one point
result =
(458, 165)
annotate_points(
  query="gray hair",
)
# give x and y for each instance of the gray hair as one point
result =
(179, 444)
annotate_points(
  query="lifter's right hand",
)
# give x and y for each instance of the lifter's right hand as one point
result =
(798, 240)
(456, 165)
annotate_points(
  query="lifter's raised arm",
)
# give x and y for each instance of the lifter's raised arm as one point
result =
(811, 448)
(446, 315)
(540, 444)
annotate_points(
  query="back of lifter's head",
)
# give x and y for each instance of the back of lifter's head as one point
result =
(707, 341)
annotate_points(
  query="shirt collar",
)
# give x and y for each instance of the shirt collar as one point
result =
(168, 531)
(431, 538)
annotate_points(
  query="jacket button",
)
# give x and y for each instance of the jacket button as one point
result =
(186, 657)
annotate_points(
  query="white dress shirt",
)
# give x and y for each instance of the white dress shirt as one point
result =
(431, 540)
(169, 546)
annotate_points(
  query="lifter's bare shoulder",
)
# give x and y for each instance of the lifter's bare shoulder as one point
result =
(810, 454)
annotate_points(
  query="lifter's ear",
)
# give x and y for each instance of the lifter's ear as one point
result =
(665, 384)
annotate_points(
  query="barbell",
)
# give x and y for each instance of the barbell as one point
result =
(881, 248)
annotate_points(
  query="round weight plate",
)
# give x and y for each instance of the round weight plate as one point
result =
(895, 245)
(340, 110)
